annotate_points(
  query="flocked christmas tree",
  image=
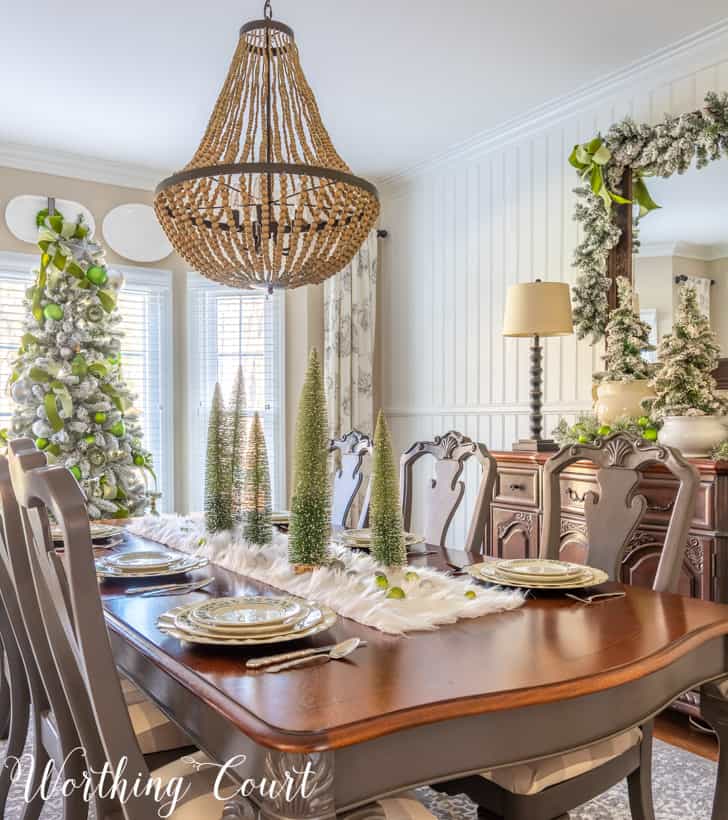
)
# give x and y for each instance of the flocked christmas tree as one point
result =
(311, 500)
(66, 382)
(256, 505)
(385, 514)
(628, 337)
(683, 384)
(238, 422)
(218, 512)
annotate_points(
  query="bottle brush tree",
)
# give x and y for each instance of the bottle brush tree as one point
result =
(218, 512)
(256, 505)
(684, 384)
(310, 521)
(385, 514)
(238, 422)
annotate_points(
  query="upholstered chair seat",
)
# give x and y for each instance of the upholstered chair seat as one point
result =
(534, 777)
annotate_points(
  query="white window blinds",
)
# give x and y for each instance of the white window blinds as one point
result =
(145, 303)
(227, 328)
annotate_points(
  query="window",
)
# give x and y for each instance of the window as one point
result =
(227, 328)
(145, 305)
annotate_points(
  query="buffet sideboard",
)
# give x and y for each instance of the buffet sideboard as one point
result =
(517, 512)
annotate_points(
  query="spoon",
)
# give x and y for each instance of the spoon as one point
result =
(336, 653)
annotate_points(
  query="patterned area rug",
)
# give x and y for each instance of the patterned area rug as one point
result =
(682, 785)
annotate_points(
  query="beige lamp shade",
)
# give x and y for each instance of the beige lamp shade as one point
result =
(538, 309)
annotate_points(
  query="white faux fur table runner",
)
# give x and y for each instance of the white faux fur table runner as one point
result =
(348, 587)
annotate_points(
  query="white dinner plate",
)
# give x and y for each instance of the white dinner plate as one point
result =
(142, 560)
(488, 571)
(247, 610)
(186, 564)
(539, 568)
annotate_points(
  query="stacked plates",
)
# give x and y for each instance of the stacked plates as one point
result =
(538, 573)
(246, 621)
(98, 531)
(147, 564)
(362, 539)
(280, 518)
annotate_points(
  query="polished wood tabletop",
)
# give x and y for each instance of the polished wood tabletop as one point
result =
(550, 649)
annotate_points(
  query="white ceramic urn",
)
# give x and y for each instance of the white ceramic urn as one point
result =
(616, 400)
(694, 436)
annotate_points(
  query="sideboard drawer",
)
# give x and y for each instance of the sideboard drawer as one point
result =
(660, 495)
(517, 485)
(574, 490)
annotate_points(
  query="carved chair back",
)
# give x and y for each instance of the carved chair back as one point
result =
(70, 605)
(352, 448)
(613, 512)
(446, 490)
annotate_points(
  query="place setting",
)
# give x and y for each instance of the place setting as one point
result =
(362, 539)
(103, 536)
(251, 620)
(149, 564)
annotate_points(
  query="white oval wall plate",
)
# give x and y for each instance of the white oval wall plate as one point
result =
(133, 232)
(21, 211)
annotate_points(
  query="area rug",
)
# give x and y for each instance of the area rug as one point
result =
(682, 785)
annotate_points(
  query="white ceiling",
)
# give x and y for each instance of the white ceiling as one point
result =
(398, 81)
(693, 209)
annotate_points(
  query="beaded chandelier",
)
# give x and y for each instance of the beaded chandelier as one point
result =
(266, 201)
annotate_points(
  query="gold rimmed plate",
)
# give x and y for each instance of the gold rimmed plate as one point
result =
(248, 611)
(142, 560)
(185, 564)
(539, 568)
(362, 538)
(488, 571)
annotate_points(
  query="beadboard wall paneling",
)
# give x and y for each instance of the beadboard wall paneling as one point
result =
(462, 231)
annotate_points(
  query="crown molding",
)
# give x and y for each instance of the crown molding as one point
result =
(77, 166)
(685, 250)
(668, 60)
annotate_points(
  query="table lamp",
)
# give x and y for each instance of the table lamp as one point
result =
(537, 309)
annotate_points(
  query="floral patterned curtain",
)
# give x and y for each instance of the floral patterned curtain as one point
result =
(349, 314)
(702, 289)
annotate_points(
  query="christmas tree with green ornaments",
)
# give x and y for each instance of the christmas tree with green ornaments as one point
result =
(310, 522)
(66, 382)
(684, 384)
(385, 515)
(218, 475)
(628, 337)
(256, 505)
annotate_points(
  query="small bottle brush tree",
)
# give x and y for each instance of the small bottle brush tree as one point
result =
(256, 505)
(218, 513)
(385, 514)
(66, 382)
(310, 522)
(238, 422)
(683, 384)
(627, 338)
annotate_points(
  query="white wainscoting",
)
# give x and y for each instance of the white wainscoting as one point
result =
(468, 226)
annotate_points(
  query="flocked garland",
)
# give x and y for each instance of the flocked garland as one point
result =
(649, 150)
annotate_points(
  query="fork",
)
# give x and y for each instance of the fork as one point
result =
(590, 599)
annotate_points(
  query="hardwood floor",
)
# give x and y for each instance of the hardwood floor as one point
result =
(675, 728)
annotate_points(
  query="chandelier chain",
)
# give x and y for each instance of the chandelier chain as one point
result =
(268, 10)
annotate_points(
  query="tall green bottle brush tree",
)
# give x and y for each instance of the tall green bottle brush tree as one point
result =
(66, 383)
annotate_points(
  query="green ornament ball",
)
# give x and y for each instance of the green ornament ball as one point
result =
(381, 581)
(97, 275)
(139, 460)
(41, 443)
(100, 417)
(396, 592)
(411, 576)
(604, 430)
(470, 594)
(76, 472)
(53, 311)
(650, 434)
(89, 439)
(583, 439)
(643, 421)
(118, 428)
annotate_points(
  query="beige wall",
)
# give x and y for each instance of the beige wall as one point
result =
(304, 307)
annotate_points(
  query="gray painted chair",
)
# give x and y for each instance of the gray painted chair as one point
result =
(446, 490)
(353, 448)
(69, 603)
(548, 788)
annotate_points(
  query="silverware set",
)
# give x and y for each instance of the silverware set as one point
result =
(304, 657)
(162, 590)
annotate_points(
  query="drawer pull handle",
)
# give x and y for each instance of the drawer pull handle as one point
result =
(574, 496)
(661, 507)
(515, 487)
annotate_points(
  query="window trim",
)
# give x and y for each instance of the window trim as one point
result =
(196, 281)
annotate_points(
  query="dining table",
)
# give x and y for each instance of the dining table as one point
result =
(429, 706)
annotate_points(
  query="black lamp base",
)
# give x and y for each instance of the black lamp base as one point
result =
(535, 445)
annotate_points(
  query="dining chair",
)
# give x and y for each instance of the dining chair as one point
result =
(446, 489)
(353, 448)
(70, 605)
(550, 787)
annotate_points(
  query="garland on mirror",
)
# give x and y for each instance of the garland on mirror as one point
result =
(648, 150)
(66, 381)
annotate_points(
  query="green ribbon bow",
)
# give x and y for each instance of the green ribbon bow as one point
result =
(58, 394)
(590, 158)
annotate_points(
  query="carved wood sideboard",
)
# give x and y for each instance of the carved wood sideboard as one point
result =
(516, 517)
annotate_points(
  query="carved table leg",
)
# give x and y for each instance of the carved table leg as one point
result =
(306, 786)
(714, 706)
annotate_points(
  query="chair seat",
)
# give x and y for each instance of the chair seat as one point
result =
(154, 730)
(534, 777)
